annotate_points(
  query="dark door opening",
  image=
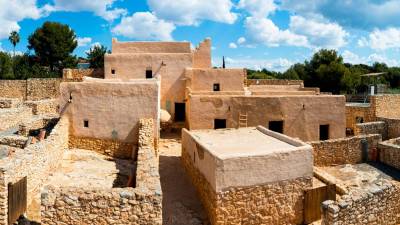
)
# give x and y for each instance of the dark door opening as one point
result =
(216, 87)
(323, 132)
(149, 74)
(219, 123)
(276, 126)
(180, 112)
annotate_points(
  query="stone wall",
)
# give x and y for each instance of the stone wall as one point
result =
(13, 117)
(139, 205)
(378, 205)
(389, 152)
(378, 127)
(114, 148)
(274, 82)
(274, 203)
(386, 105)
(31, 89)
(35, 162)
(343, 150)
(45, 106)
(393, 127)
(13, 89)
(76, 75)
(359, 111)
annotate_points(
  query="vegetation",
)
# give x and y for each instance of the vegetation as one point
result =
(327, 71)
(53, 44)
(14, 39)
(95, 56)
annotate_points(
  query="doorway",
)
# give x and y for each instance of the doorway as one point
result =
(219, 123)
(323, 132)
(180, 112)
(276, 126)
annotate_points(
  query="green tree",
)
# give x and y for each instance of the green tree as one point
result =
(53, 44)
(96, 56)
(6, 71)
(14, 39)
(290, 74)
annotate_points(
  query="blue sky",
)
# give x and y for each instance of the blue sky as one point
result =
(270, 34)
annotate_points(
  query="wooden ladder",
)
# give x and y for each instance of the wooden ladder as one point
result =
(242, 120)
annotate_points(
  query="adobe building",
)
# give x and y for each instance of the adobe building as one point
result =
(206, 98)
(259, 177)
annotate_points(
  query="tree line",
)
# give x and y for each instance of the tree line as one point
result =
(50, 50)
(327, 71)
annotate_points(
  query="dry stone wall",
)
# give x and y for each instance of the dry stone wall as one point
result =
(354, 110)
(13, 117)
(35, 162)
(389, 152)
(46, 106)
(393, 127)
(380, 204)
(13, 89)
(112, 148)
(386, 105)
(378, 127)
(141, 205)
(343, 150)
(275, 203)
(76, 75)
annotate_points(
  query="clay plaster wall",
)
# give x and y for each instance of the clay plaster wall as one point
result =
(112, 109)
(150, 47)
(302, 115)
(202, 55)
(204, 79)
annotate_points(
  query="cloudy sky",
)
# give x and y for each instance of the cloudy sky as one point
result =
(270, 34)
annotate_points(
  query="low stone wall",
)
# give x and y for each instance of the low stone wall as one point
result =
(393, 127)
(362, 111)
(343, 150)
(387, 105)
(13, 117)
(76, 75)
(275, 203)
(31, 89)
(106, 147)
(378, 127)
(140, 205)
(13, 141)
(274, 82)
(378, 205)
(13, 89)
(7, 103)
(35, 162)
(389, 152)
(46, 106)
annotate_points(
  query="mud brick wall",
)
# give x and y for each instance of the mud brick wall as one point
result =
(378, 205)
(343, 150)
(35, 162)
(275, 203)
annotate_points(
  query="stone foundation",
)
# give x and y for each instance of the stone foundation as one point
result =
(276, 203)
(379, 205)
(106, 147)
(343, 150)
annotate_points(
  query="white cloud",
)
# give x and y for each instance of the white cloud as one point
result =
(241, 40)
(232, 45)
(263, 30)
(144, 26)
(192, 12)
(280, 64)
(382, 39)
(350, 57)
(12, 12)
(84, 41)
(100, 8)
(258, 8)
(319, 34)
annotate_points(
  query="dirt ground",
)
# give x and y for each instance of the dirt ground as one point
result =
(181, 205)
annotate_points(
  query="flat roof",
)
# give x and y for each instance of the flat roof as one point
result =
(226, 143)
